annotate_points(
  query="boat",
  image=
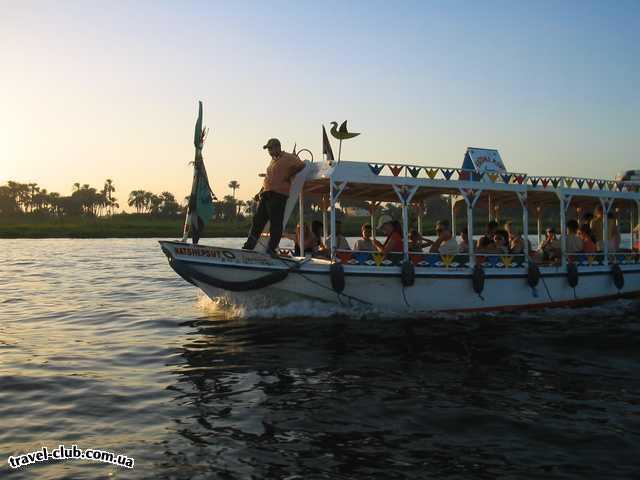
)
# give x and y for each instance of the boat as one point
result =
(418, 281)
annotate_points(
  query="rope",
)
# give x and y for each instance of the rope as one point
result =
(339, 295)
(404, 296)
(545, 287)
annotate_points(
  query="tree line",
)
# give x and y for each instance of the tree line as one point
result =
(31, 199)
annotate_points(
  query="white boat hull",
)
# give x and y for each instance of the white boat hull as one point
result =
(434, 289)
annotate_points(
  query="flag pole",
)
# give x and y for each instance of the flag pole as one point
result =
(191, 206)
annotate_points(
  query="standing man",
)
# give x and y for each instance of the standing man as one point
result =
(273, 196)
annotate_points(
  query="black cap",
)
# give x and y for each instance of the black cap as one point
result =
(272, 142)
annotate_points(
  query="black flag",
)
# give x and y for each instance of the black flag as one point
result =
(326, 145)
(200, 209)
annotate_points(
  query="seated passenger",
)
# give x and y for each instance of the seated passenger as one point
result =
(588, 239)
(492, 226)
(417, 242)
(341, 241)
(573, 243)
(317, 229)
(463, 244)
(309, 240)
(549, 249)
(392, 229)
(364, 243)
(501, 241)
(516, 243)
(445, 244)
(486, 246)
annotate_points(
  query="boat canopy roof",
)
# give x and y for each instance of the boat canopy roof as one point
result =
(379, 181)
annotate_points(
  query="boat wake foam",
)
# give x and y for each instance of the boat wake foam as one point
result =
(257, 305)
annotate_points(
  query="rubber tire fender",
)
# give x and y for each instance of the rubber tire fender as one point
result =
(478, 279)
(572, 275)
(408, 274)
(533, 275)
(618, 276)
(336, 273)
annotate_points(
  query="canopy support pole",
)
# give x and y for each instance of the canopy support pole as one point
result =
(334, 194)
(453, 217)
(324, 204)
(565, 201)
(419, 208)
(637, 223)
(539, 223)
(301, 208)
(522, 196)
(631, 225)
(405, 194)
(373, 206)
(470, 198)
(606, 206)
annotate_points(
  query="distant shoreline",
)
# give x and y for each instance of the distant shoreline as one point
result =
(10, 236)
(118, 226)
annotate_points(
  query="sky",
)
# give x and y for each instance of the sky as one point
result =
(93, 90)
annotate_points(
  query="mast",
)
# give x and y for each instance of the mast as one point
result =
(200, 207)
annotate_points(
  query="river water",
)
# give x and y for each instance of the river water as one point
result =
(104, 347)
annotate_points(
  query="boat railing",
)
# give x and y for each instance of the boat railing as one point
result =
(621, 257)
(485, 260)
(430, 260)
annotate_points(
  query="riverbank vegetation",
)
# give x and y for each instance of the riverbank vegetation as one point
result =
(30, 211)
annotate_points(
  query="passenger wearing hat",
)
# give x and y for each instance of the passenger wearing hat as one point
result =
(393, 231)
(273, 196)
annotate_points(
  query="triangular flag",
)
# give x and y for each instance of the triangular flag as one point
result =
(326, 146)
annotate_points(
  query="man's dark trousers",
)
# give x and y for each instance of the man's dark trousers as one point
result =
(270, 208)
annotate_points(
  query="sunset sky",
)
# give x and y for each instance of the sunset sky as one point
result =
(93, 90)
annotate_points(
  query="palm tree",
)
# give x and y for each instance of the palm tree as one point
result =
(250, 207)
(32, 194)
(137, 200)
(229, 207)
(234, 185)
(107, 191)
(240, 205)
(54, 201)
(20, 194)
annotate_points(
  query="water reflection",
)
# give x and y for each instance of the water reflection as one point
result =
(347, 398)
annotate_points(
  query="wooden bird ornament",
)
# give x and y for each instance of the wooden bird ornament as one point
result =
(341, 134)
